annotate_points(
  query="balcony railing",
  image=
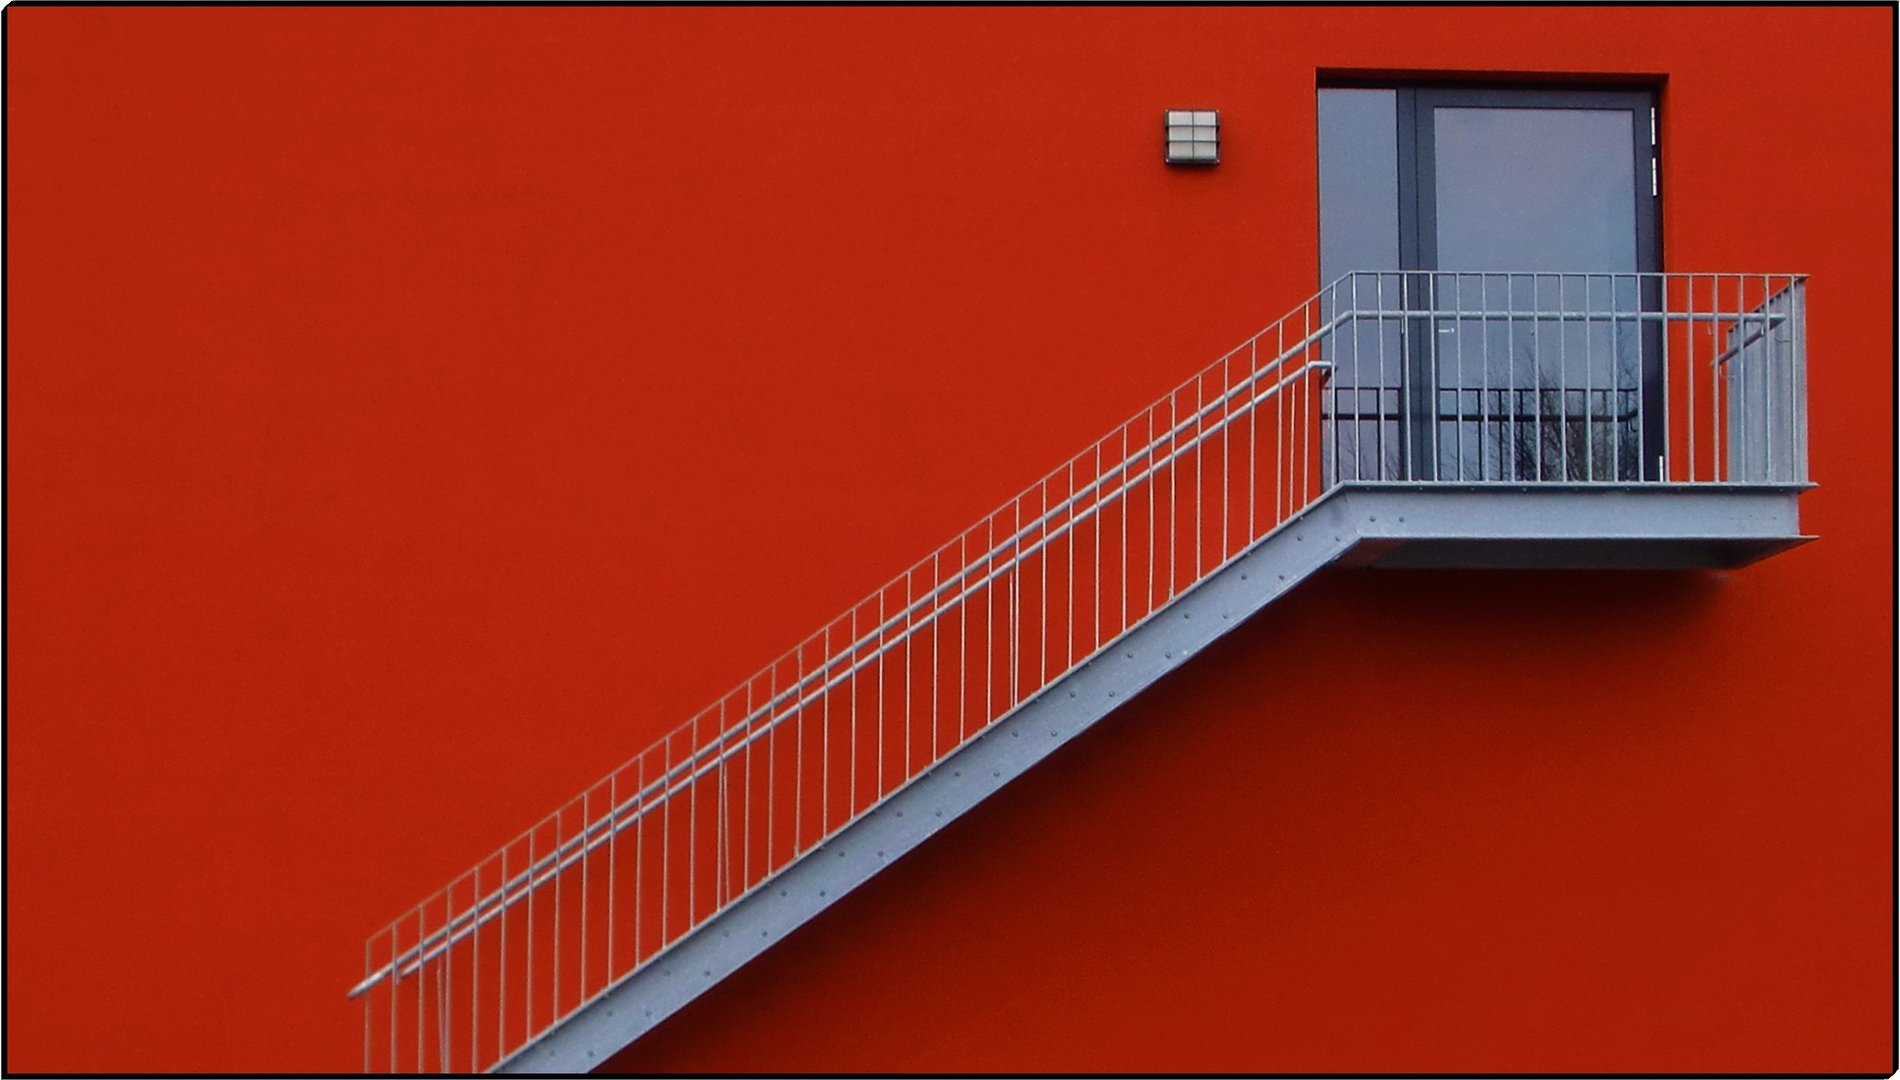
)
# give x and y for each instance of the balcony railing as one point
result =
(1569, 377)
(1410, 378)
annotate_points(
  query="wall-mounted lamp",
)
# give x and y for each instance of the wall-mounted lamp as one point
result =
(1193, 136)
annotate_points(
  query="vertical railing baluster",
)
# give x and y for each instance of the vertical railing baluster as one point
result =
(1154, 492)
(824, 749)
(1174, 461)
(1691, 376)
(691, 791)
(1253, 372)
(879, 711)
(904, 774)
(1718, 406)
(501, 970)
(527, 964)
(1195, 447)
(1484, 372)
(798, 758)
(722, 863)
(369, 1000)
(422, 934)
(1666, 470)
(1042, 587)
(771, 785)
(1068, 593)
(1768, 357)
(963, 636)
(613, 867)
(586, 861)
(639, 848)
(445, 989)
(852, 809)
(1101, 510)
(395, 995)
(988, 634)
(475, 979)
(1226, 438)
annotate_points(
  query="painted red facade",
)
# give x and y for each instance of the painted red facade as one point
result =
(411, 412)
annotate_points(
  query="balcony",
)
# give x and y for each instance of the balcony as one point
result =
(1564, 420)
(1501, 420)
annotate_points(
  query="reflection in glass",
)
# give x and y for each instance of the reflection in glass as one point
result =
(1522, 393)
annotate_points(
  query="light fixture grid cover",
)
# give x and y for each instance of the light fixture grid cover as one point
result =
(1192, 136)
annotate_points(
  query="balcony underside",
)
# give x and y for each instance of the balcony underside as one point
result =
(1389, 525)
(1583, 527)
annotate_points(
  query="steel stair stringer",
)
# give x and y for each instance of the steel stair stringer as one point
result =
(913, 813)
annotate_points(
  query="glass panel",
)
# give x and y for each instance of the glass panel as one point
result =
(1537, 373)
(1358, 181)
(1359, 230)
(1535, 189)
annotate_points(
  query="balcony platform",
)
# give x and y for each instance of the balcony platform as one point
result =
(1513, 526)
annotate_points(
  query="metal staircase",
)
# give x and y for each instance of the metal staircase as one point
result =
(1393, 419)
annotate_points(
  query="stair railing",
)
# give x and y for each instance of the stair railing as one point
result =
(711, 812)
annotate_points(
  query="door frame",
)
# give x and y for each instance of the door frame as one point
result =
(1423, 178)
(1418, 244)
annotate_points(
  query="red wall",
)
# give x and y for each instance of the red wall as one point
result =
(412, 411)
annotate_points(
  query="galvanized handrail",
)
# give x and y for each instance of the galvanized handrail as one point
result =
(717, 751)
(467, 978)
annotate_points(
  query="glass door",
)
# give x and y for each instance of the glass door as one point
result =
(1523, 222)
